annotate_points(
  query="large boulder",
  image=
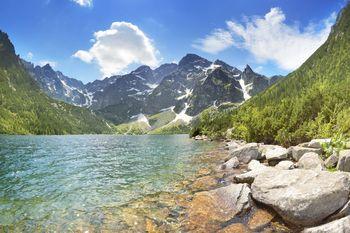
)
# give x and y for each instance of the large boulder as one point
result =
(317, 143)
(341, 225)
(276, 154)
(208, 210)
(298, 151)
(302, 197)
(344, 161)
(247, 152)
(312, 161)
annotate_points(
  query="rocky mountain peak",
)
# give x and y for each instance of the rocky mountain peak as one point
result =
(5, 44)
(7, 50)
(192, 60)
(248, 70)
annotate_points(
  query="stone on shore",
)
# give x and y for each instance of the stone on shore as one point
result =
(230, 164)
(298, 151)
(311, 161)
(276, 154)
(285, 165)
(209, 209)
(255, 165)
(247, 152)
(249, 177)
(331, 161)
(344, 161)
(302, 197)
(317, 143)
(231, 145)
(337, 226)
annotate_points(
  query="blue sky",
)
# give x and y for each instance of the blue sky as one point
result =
(273, 36)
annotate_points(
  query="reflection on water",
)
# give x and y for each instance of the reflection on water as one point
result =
(63, 182)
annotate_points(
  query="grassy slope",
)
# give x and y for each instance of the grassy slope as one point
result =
(24, 109)
(311, 102)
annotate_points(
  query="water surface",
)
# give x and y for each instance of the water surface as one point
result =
(61, 180)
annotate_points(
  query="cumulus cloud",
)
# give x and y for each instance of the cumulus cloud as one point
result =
(53, 64)
(217, 41)
(83, 3)
(119, 46)
(269, 38)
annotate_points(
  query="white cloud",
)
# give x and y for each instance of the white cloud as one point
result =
(30, 55)
(83, 3)
(44, 62)
(116, 48)
(269, 38)
(217, 41)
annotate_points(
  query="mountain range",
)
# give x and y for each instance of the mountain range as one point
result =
(178, 91)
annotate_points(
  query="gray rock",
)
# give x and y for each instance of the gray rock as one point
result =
(285, 165)
(264, 148)
(338, 226)
(231, 145)
(302, 197)
(344, 161)
(249, 177)
(317, 143)
(230, 164)
(331, 161)
(298, 151)
(345, 211)
(247, 152)
(312, 161)
(277, 153)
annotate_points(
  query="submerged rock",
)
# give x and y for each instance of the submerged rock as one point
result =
(340, 225)
(208, 210)
(298, 151)
(260, 219)
(344, 161)
(311, 161)
(235, 228)
(247, 152)
(302, 197)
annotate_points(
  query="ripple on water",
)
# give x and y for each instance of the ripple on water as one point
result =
(69, 182)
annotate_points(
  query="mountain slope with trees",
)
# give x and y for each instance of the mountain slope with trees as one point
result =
(312, 101)
(25, 109)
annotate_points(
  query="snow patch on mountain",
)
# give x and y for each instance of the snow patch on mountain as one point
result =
(183, 116)
(245, 89)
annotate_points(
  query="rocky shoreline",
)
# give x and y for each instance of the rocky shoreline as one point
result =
(249, 187)
(269, 188)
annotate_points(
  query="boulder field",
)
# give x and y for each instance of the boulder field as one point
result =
(300, 186)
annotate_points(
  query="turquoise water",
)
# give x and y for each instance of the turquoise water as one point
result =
(58, 180)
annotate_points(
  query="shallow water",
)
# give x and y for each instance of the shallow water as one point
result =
(48, 181)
